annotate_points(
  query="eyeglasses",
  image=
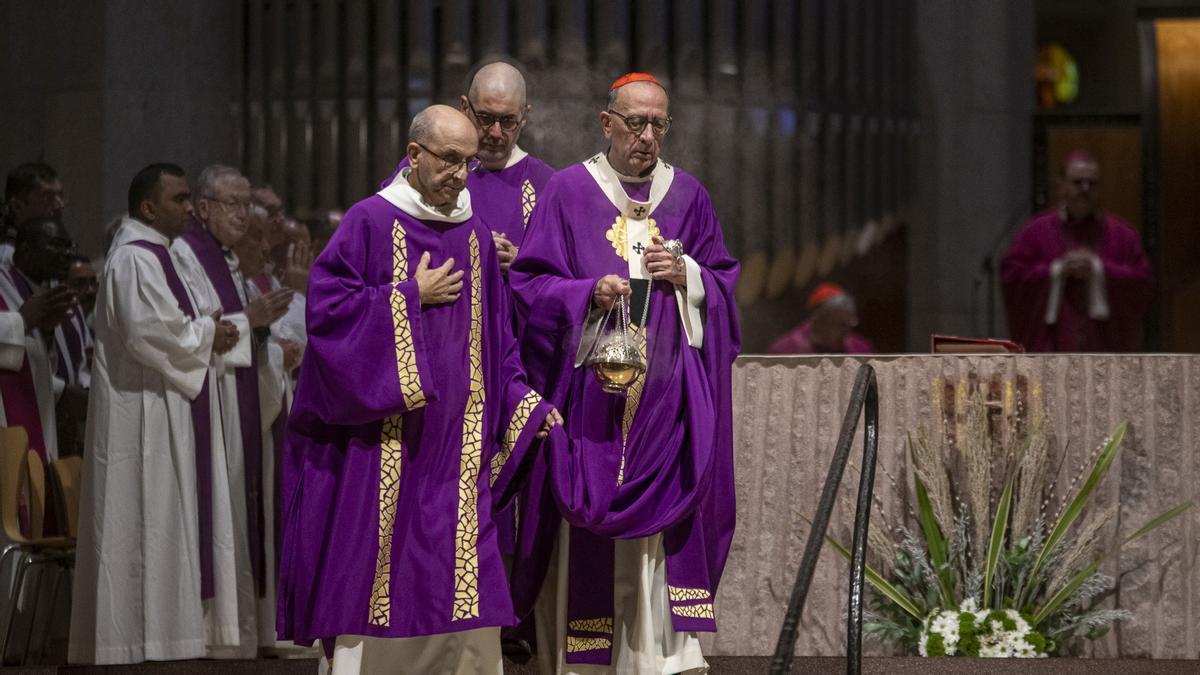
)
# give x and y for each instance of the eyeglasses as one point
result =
(234, 205)
(486, 120)
(637, 124)
(470, 163)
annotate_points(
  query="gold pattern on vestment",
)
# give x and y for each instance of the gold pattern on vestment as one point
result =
(528, 200)
(632, 399)
(516, 425)
(603, 625)
(618, 235)
(578, 644)
(390, 455)
(466, 555)
(680, 594)
(390, 447)
(704, 611)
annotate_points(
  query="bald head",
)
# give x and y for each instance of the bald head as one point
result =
(441, 144)
(497, 106)
(498, 80)
(439, 123)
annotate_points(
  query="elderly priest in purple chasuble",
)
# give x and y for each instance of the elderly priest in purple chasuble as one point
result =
(410, 419)
(628, 514)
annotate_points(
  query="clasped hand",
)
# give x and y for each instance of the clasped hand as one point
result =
(1077, 264)
(662, 265)
(226, 335)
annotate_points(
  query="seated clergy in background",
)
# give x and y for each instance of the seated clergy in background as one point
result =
(32, 191)
(144, 578)
(75, 345)
(1075, 277)
(277, 357)
(210, 269)
(32, 313)
(829, 329)
(636, 497)
(411, 418)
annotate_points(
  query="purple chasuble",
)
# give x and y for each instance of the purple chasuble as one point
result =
(201, 421)
(408, 428)
(504, 200)
(659, 460)
(216, 267)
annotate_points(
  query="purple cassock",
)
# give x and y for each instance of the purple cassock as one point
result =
(408, 425)
(659, 460)
(1048, 312)
(504, 200)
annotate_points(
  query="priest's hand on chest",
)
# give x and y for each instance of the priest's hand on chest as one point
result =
(438, 285)
(663, 265)
(608, 289)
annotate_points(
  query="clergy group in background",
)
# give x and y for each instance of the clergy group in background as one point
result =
(375, 438)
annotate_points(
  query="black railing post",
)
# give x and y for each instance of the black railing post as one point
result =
(865, 394)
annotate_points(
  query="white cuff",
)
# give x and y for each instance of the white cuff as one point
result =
(1097, 291)
(691, 301)
(239, 356)
(12, 340)
(1056, 284)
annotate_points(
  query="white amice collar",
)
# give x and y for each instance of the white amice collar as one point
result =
(515, 156)
(610, 183)
(406, 198)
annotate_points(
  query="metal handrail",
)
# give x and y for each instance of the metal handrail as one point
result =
(865, 394)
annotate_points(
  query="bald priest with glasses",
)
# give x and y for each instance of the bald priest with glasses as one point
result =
(629, 512)
(507, 182)
(411, 416)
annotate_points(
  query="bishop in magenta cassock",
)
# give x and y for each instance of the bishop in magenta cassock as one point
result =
(628, 516)
(145, 582)
(1075, 278)
(410, 420)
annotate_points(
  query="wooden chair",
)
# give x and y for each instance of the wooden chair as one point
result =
(20, 466)
(65, 474)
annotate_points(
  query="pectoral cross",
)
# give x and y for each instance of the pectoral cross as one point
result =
(639, 211)
(638, 248)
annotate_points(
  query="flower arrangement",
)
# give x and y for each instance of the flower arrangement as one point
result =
(991, 564)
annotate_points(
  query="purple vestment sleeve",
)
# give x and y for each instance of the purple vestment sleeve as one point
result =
(351, 338)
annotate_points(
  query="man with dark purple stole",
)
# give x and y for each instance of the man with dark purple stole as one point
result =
(210, 268)
(628, 516)
(144, 580)
(1075, 278)
(411, 418)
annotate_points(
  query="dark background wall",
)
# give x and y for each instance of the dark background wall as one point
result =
(100, 89)
(885, 145)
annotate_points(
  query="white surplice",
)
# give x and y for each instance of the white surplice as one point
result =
(232, 614)
(16, 346)
(137, 579)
